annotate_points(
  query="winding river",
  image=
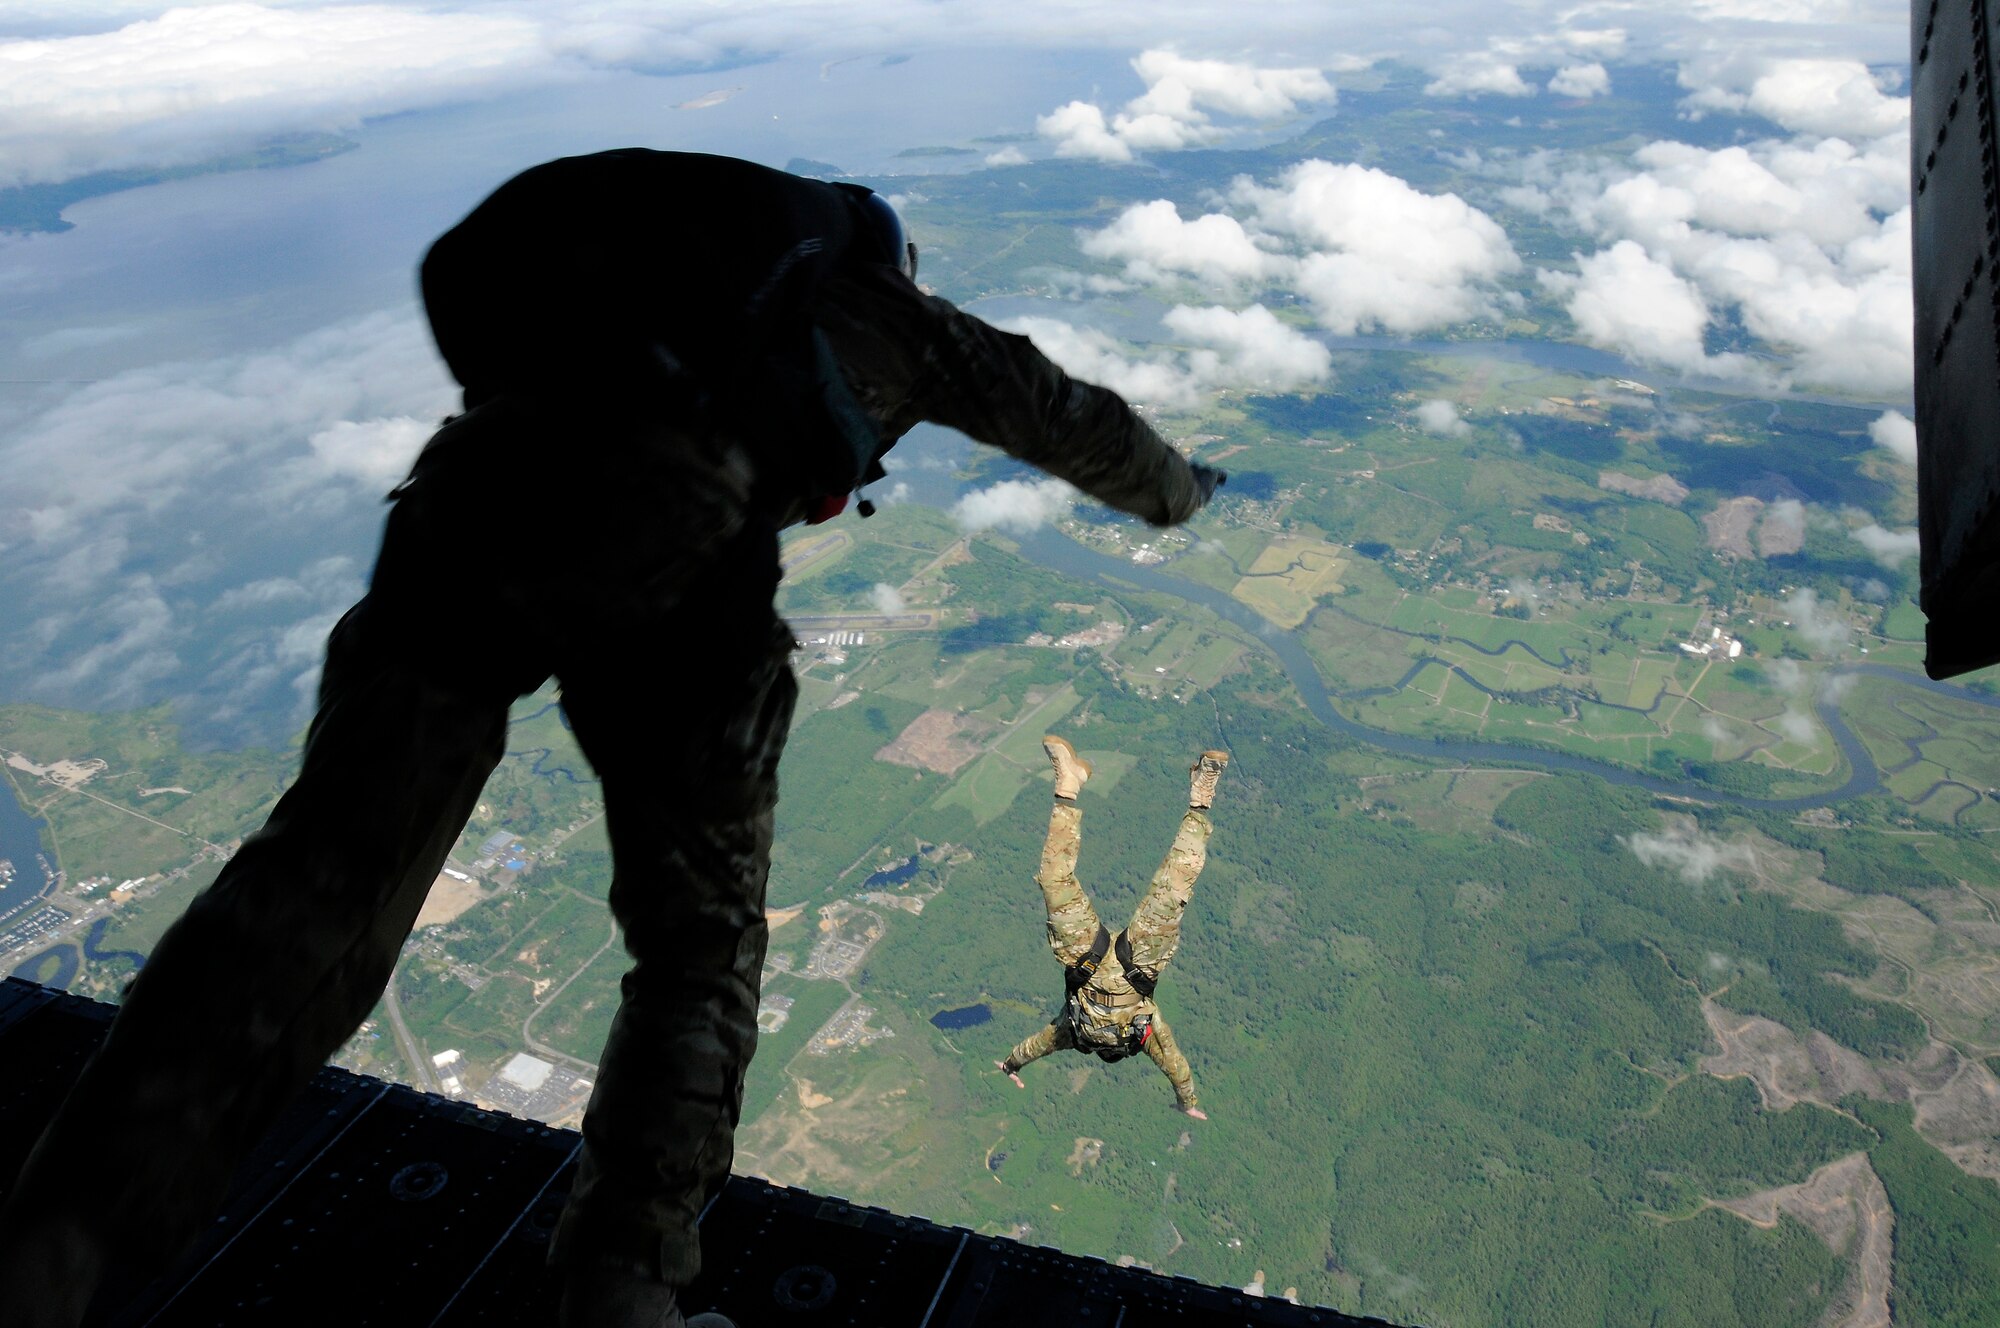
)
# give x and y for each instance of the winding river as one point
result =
(1064, 555)
(58, 965)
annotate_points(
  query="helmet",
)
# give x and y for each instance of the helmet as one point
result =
(882, 238)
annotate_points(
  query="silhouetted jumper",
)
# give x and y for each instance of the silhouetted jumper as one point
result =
(667, 358)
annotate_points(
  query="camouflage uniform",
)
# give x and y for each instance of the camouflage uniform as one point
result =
(649, 597)
(1097, 1016)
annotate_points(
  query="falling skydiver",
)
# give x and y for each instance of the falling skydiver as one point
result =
(1109, 1008)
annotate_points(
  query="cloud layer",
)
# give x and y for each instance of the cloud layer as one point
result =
(206, 79)
(98, 84)
(1018, 507)
(1803, 240)
(1897, 433)
(1690, 854)
(194, 528)
(1364, 248)
(1441, 417)
(1176, 109)
(1219, 349)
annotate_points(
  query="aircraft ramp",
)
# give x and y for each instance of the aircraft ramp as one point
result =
(371, 1203)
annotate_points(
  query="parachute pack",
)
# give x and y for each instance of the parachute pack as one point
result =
(682, 277)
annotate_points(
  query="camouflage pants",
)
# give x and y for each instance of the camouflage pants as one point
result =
(647, 592)
(1155, 929)
(1154, 933)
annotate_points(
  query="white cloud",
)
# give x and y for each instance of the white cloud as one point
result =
(1828, 190)
(1805, 241)
(1597, 43)
(285, 659)
(1096, 357)
(1783, 529)
(1689, 853)
(376, 452)
(328, 580)
(202, 79)
(1231, 349)
(1898, 433)
(1888, 547)
(1819, 96)
(1079, 129)
(148, 439)
(1441, 417)
(198, 468)
(1249, 349)
(133, 639)
(1174, 111)
(1156, 244)
(1379, 253)
(1591, 80)
(1007, 156)
(1527, 198)
(1789, 676)
(1625, 300)
(1820, 627)
(887, 599)
(141, 84)
(1017, 506)
(1178, 86)
(1475, 74)
(1847, 318)
(1493, 66)
(1795, 725)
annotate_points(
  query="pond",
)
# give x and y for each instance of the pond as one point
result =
(970, 1016)
(895, 875)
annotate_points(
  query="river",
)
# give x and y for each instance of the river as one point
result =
(1064, 555)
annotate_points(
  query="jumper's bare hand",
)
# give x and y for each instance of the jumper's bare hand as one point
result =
(1195, 1112)
(1002, 1067)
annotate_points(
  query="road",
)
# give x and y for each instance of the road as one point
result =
(527, 1025)
(406, 1042)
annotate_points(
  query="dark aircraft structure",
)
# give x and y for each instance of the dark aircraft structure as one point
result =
(1954, 175)
(373, 1204)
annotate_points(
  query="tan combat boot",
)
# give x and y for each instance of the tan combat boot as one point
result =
(1071, 770)
(1206, 770)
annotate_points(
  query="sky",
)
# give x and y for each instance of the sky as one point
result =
(210, 383)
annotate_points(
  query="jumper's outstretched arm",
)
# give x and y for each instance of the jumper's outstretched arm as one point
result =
(1166, 1054)
(1056, 1037)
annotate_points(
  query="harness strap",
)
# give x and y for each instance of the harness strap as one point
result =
(1140, 982)
(1085, 968)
